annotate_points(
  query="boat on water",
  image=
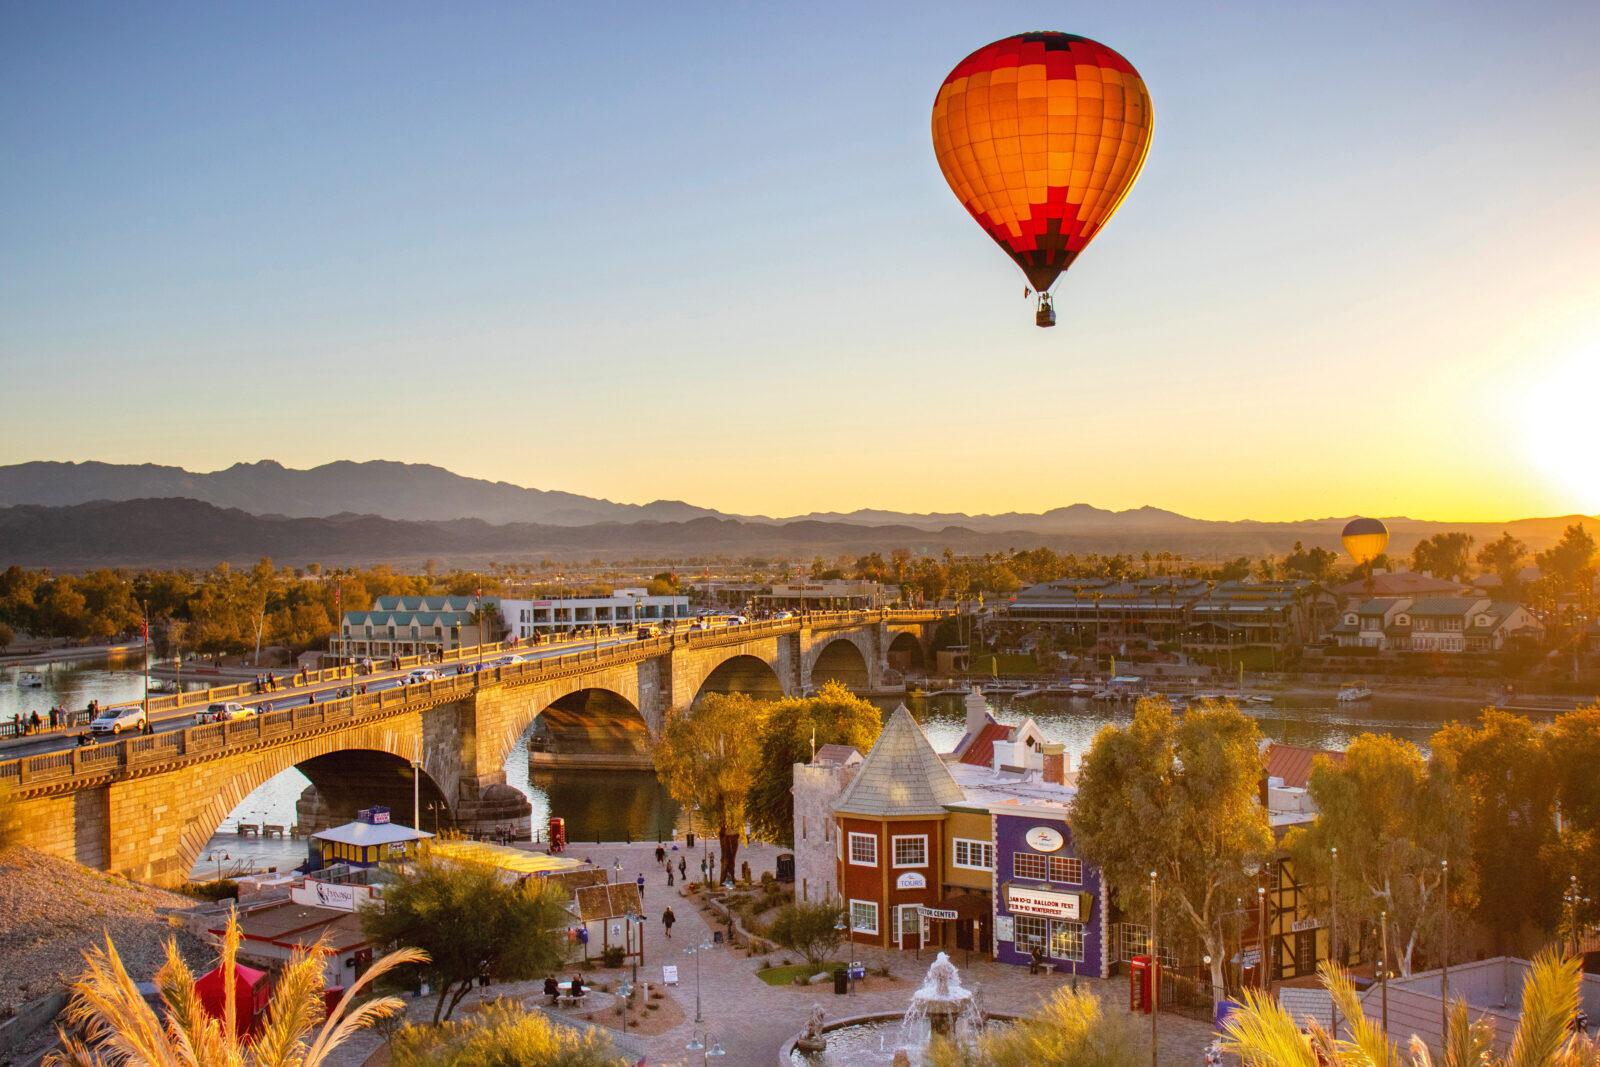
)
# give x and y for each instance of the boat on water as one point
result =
(1352, 693)
(29, 680)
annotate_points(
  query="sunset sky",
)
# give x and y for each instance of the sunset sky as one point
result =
(705, 252)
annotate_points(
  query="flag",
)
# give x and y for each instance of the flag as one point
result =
(144, 627)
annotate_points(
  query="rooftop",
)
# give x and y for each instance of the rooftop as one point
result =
(902, 775)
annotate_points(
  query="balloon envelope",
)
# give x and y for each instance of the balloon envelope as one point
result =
(1365, 539)
(1040, 137)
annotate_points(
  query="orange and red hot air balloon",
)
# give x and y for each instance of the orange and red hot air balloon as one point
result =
(1040, 137)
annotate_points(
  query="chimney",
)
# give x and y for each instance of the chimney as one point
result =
(977, 712)
(1055, 763)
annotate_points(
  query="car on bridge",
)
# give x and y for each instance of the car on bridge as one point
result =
(645, 631)
(421, 674)
(223, 712)
(116, 720)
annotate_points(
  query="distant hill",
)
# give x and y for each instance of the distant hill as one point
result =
(350, 512)
(380, 487)
(179, 531)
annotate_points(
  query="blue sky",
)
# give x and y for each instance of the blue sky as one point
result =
(705, 252)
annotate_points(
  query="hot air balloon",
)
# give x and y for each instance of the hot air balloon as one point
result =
(1365, 539)
(1040, 137)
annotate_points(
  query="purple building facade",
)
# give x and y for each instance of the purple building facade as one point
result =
(1045, 895)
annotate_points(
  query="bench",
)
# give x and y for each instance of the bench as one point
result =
(245, 829)
(270, 830)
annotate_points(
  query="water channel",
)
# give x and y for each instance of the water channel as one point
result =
(619, 805)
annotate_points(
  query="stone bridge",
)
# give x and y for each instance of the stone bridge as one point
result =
(146, 807)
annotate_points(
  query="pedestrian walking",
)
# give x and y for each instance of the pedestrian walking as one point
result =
(33, 722)
(683, 868)
(639, 881)
(669, 876)
(667, 919)
(661, 855)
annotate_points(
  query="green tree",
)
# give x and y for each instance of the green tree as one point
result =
(1443, 555)
(7, 635)
(811, 929)
(504, 1034)
(1572, 747)
(1179, 797)
(1504, 774)
(1068, 1030)
(835, 716)
(1504, 558)
(708, 757)
(1393, 817)
(471, 922)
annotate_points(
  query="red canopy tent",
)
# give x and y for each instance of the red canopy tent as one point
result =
(250, 995)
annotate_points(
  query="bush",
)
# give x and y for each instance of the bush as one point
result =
(809, 929)
(613, 956)
(218, 889)
(503, 1035)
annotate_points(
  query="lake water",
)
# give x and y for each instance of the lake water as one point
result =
(618, 805)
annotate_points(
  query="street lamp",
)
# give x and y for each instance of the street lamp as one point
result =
(1155, 976)
(1261, 954)
(1333, 926)
(699, 1042)
(630, 918)
(1444, 963)
(219, 857)
(697, 951)
(625, 991)
(1383, 964)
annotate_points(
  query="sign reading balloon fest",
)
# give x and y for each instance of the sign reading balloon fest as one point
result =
(1041, 136)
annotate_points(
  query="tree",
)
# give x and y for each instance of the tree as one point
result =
(1393, 817)
(471, 922)
(1572, 746)
(7, 635)
(708, 757)
(1504, 775)
(118, 1026)
(1443, 555)
(1503, 557)
(811, 929)
(1264, 1034)
(835, 716)
(1179, 797)
(1068, 1030)
(504, 1034)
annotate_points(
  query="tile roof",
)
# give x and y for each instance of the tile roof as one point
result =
(1445, 605)
(1399, 583)
(1293, 763)
(608, 901)
(842, 754)
(980, 750)
(902, 775)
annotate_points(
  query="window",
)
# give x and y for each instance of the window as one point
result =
(1066, 940)
(1029, 932)
(863, 916)
(911, 850)
(863, 850)
(1068, 869)
(1028, 865)
(973, 855)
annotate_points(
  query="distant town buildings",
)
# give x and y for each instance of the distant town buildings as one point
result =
(624, 608)
(1437, 624)
(414, 625)
(821, 595)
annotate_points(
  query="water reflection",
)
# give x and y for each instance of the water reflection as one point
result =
(71, 685)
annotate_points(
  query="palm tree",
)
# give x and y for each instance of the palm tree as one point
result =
(1263, 1034)
(118, 1027)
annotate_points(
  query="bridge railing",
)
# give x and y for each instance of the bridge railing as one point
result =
(117, 756)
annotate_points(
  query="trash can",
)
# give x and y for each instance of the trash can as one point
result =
(841, 982)
(690, 839)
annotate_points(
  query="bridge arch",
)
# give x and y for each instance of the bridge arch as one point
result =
(594, 721)
(905, 653)
(841, 660)
(742, 674)
(334, 761)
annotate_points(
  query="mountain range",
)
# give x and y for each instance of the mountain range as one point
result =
(87, 514)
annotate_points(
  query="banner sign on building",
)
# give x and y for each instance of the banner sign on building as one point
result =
(911, 880)
(940, 913)
(1040, 902)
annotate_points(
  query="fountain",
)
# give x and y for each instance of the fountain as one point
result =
(941, 1006)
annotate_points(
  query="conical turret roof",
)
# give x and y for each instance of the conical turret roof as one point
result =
(902, 775)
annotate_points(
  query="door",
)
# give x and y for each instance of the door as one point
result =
(910, 928)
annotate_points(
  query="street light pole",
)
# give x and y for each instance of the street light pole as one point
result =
(1444, 968)
(1155, 977)
(1333, 926)
(1383, 967)
(1261, 962)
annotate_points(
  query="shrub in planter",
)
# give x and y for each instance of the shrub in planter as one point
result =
(613, 956)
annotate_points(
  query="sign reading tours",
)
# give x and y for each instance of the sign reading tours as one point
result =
(1044, 839)
(1040, 902)
(911, 880)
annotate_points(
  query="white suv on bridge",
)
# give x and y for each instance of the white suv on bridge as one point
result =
(116, 720)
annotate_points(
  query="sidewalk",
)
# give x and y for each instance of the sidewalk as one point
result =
(751, 1019)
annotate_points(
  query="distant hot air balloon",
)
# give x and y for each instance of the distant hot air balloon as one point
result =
(1040, 137)
(1365, 539)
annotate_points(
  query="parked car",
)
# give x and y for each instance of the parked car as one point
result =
(116, 720)
(226, 712)
(645, 631)
(421, 674)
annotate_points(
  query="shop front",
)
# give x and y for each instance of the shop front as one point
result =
(1049, 900)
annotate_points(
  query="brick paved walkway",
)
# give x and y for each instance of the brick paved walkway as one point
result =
(752, 1019)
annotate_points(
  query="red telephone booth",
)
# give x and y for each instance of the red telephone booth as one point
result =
(558, 835)
(1142, 975)
(251, 992)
